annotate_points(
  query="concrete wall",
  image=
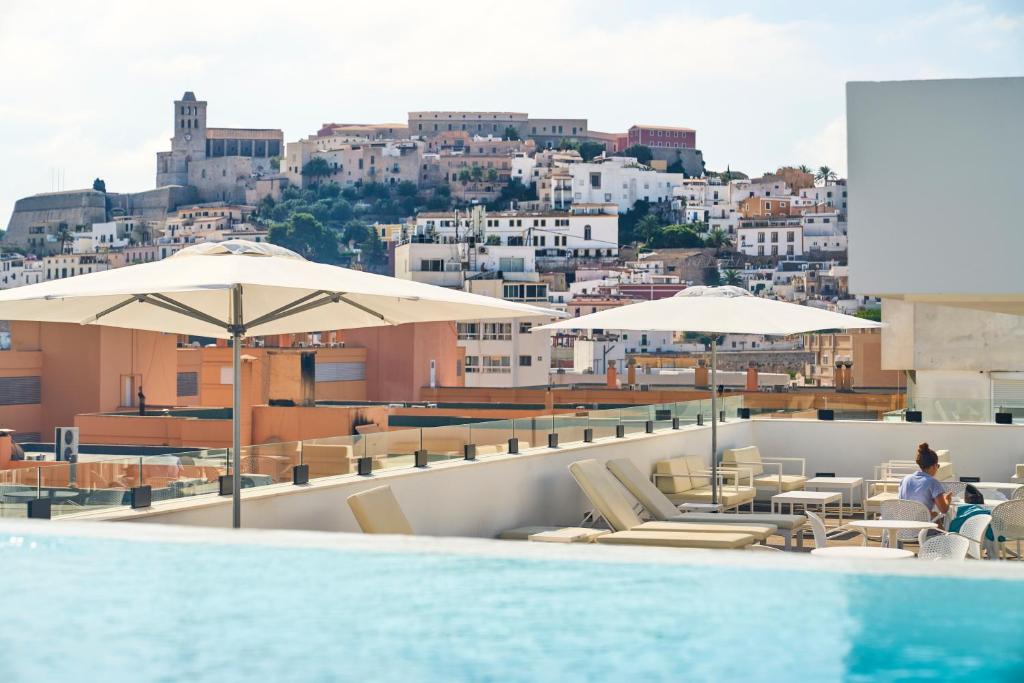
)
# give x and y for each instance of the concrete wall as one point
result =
(853, 448)
(459, 498)
(923, 125)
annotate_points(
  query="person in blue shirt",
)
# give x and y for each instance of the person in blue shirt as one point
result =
(922, 486)
(974, 504)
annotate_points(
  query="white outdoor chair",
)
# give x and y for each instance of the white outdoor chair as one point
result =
(1008, 524)
(821, 532)
(762, 547)
(974, 530)
(905, 510)
(944, 547)
(1018, 494)
(957, 488)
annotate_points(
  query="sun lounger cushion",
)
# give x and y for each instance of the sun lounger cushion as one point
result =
(676, 539)
(653, 500)
(524, 532)
(377, 512)
(758, 531)
(789, 482)
(569, 534)
(748, 458)
(605, 494)
(729, 496)
(788, 522)
(673, 476)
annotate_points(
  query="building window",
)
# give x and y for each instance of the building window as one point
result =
(525, 361)
(760, 237)
(524, 328)
(432, 265)
(790, 236)
(587, 233)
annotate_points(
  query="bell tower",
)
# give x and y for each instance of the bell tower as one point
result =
(188, 143)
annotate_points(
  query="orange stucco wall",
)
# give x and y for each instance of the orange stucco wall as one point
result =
(80, 370)
(398, 358)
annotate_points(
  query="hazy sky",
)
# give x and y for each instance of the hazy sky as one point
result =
(87, 86)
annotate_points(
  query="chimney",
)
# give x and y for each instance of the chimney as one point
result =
(701, 376)
(752, 384)
(6, 446)
(612, 381)
(631, 371)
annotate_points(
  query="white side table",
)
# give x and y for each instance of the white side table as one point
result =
(890, 526)
(862, 552)
(849, 484)
(700, 507)
(805, 498)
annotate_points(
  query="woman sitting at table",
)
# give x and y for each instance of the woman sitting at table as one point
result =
(922, 486)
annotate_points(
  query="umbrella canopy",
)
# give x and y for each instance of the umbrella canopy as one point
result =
(192, 292)
(236, 289)
(717, 310)
(714, 310)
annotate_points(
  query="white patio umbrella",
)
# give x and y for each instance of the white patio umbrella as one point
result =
(715, 311)
(237, 289)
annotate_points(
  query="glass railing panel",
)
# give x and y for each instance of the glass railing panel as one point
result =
(333, 456)
(569, 427)
(603, 422)
(270, 463)
(392, 449)
(947, 409)
(634, 418)
(446, 442)
(491, 437)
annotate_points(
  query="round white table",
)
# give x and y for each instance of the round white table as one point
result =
(862, 552)
(890, 526)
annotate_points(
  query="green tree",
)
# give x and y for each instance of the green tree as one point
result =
(304, 234)
(732, 277)
(476, 173)
(316, 168)
(826, 175)
(675, 237)
(464, 176)
(642, 153)
(870, 314)
(804, 168)
(647, 227)
(511, 133)
(99, 185)
(629, 220)
(712, 277)
(718, 239)
(588, 150)
(492, 175)
(440, 199)
(406, 188)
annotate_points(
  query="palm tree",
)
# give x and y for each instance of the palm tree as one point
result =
(64, 236)
(804, 168)
(732, 277)
(825, 175)
(719, 239)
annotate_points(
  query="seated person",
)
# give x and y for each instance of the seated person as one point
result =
(973, 505)
(922, 486)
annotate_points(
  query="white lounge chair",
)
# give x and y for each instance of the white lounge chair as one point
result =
(377, 511)
(944, 547)
(610, 501)
(661, 508)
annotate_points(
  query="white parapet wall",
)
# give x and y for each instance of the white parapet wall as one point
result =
(852, 448)
(456, 498)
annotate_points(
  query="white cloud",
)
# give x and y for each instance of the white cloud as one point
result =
(827, 147)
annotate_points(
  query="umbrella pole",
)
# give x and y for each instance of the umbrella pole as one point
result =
(714, 419)
(236, 408)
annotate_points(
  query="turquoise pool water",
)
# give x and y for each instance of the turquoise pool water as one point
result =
(84, 609)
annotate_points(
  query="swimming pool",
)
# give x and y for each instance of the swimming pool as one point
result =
(195, 605)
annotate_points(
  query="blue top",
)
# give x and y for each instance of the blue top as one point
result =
(922, 487)
(964, 513)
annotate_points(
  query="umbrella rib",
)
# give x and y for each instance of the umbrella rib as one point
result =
(113, 309)
(364, 309)
(285, 310)
(165, 302)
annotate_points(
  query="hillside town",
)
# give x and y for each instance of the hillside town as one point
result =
(540, 210)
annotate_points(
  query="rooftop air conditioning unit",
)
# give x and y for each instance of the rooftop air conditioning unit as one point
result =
(483, 250)
(65, 443)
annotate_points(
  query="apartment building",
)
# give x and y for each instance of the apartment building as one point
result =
(585, 231)
(832, 195)
(430, 123)
(662, 136)
(856, 352)
(823, 231)
(17, 270)
(765, 207)
(60, 266)
(387, 161)
(770, 237)
(622, 181)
